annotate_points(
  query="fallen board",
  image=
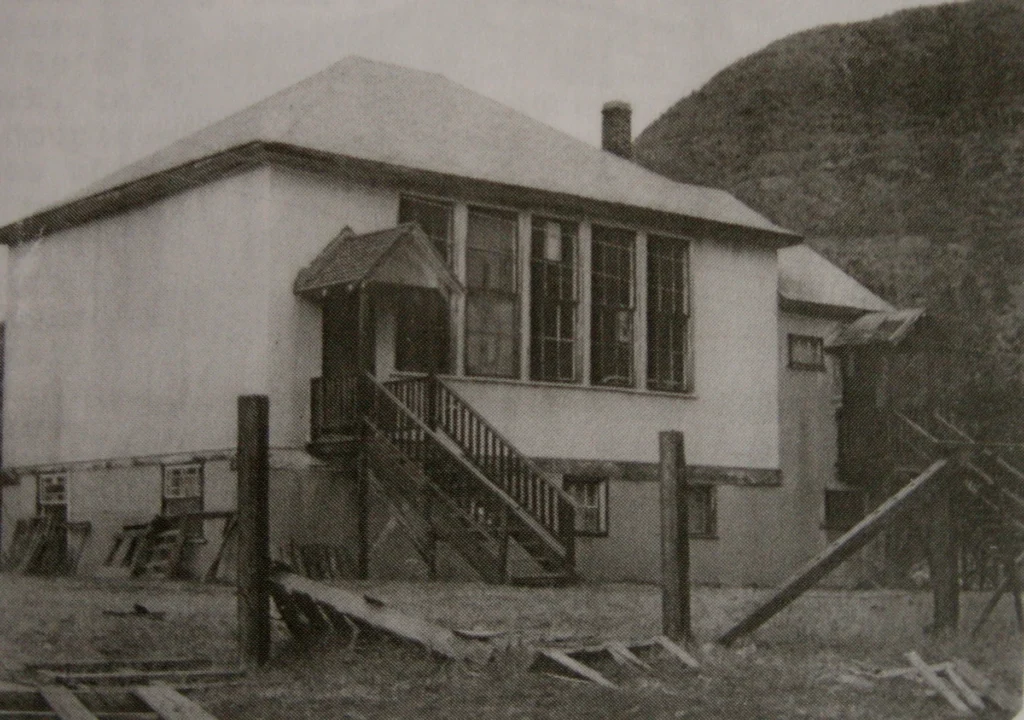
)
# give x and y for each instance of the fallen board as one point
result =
(836, 553)
(381, 616)
(932, 678)
(170, 704)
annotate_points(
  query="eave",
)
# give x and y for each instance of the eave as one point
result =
(245, 157)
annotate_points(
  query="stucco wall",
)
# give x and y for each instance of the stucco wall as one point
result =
(134, 334)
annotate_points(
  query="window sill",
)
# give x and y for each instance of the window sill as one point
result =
(556, 385)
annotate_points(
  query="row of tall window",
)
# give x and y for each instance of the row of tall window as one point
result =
(493, 287)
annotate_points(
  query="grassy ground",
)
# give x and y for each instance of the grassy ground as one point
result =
(798, 666)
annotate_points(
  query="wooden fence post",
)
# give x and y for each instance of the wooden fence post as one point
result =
(943, 565)
(253, 529)
(675, 539)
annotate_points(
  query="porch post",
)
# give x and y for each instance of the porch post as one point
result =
(675, 538)
(366, 342)
(253, 577)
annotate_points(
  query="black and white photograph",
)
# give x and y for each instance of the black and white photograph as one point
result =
(527, 359)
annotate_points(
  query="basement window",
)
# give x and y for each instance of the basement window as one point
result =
(806, 352)
(492, 294)
(668, 314)
(591, 496)
(701, 511)
(553, 300)
(52, 490)
(843, 510)
(435, 220)
(612, 306)
(183, 495)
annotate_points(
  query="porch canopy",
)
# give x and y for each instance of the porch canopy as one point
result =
(887, 328)
(402, 255)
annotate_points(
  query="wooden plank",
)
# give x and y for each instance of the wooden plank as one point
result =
(983, 685)
(937, 683)
(678, 652)
(65, 704)
(152, 663)
(383, 617)
(128, 677)
(836, 553)
(625, 656)
(559, 657)
(171, 704)
(965, 690)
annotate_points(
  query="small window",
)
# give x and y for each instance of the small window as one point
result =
(806, 352)
(53, 490)
(591, 495)
(183, 495)
(434, 219)
(843, 510)
(701, 511)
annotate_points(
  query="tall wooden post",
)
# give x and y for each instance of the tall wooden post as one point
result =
(943, 565)
(253, 529)
(675, 539)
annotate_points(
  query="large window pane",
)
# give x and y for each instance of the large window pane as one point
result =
(668, 314)
(612, 307)
(492, 294)
(553, 300)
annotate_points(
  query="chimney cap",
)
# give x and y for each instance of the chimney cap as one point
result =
(616, 105)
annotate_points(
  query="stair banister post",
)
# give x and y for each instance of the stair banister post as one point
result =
(567, 529)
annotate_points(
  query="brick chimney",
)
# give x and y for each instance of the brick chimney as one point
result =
(616, 128)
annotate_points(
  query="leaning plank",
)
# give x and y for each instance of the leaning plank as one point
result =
(678, 652)
(65, 704)
(129, 677)
(102, 666)
(624, 656)
(965, 690)
(559, 657)
(171, 704)
(979, 681)
(937, 683)
(836, 553)
(384, 617)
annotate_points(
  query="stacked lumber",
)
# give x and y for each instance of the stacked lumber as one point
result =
(965, 688)
(579, 662)
(311, 609)
(145, 702)
(44, 546)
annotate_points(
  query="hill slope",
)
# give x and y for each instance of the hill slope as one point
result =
(896, 145)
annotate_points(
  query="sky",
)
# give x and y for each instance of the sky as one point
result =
(87, 86)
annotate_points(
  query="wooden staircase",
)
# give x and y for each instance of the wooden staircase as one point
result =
(450, 477)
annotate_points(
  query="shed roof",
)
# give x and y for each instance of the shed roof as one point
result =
(878, 328)
(401, 254)
(809, 282)
(405, 118)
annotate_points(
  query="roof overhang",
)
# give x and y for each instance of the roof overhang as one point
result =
(250, 155)
(822, 310)
(400, 256)
(886, 329)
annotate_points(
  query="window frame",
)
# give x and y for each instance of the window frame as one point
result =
(514, 295)
(448, 253)
(166, 469)
(600, 311)
(543, 273)
(658, 317)
(710, 492)
(818, 365)
(570, 481)
(41, 480)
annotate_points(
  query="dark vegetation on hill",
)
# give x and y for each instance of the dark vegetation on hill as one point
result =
(896, 146)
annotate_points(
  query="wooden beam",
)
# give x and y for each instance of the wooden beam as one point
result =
(836, 553)
(966, 691)
(937, 683)
(677, 652)
(979, 681)
(675, 538)
(559, 657)
(384, 617)
(170, 704)
(253, 529)
(65, 704)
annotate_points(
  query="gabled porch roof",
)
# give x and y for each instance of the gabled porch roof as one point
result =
(402, 255)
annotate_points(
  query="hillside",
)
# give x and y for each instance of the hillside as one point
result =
(896, 145)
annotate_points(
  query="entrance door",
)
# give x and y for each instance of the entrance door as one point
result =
(344, 338)
(422, 331)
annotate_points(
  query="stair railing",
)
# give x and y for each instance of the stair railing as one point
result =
(442, 408)
(547, 510)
